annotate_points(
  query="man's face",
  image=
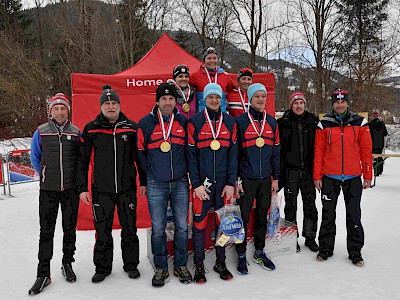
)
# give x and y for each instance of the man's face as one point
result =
(182, 80)
(245, 82)
(111, 109)
(298, 107)
(166, 104)
(59, 113)
(213, 102)
(211, 61)
(340, 106)
(258, 100)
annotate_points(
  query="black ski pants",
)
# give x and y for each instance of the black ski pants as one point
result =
(49, 202)
(103, 214)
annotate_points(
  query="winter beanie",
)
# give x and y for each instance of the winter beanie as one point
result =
(209, 50)
(296, 96)
(180, 69)
(339, 94)
(245, 72)
(212, 89)
(59, 98)
(108, 94)
(255, 88)
(166, 88)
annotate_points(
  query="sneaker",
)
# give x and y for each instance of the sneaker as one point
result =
(199, 274)
(312, 245)
(357, 260)
(68, 273)
(183, 274)
(323, 255)
(134, 273)
(40, 283)
(161, 276)
(220, 268)
(264, 261)
(242, 265)
(99, 277)
(298, 247)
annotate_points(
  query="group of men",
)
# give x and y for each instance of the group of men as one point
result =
(219, 156)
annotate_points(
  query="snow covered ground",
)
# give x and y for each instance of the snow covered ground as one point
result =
(297, 276)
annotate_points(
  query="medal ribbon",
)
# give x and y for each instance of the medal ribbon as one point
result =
(171, 120)
(245, 110)
(254, 125)
(215, 135)
(215, 76)
(185, 97)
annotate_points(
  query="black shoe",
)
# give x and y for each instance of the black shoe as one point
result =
(220, 268)
(242, 265)
(161, 276)
(323, 255)
(357, 260)
(40, 283)
(183, 274)
(312, 245)
(99, 277)
(200, 274)
(134, 273)
(298, 247)
(68, 273)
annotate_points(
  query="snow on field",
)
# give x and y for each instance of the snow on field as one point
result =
(298, 276)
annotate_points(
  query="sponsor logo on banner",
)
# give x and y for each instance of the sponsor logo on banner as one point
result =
(145, 82)
(231, 225)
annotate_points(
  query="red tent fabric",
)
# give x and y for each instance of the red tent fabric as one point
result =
(136, 87)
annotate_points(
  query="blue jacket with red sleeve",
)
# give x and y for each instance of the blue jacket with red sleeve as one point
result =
(158, 165)
(258, 162)
(202, 160)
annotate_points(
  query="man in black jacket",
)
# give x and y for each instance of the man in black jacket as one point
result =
(109, 145)
(378, 133)
(297, 133)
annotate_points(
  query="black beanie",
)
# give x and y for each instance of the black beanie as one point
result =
(166, 88)
(108, 94)
(339, 94)
(180, 69)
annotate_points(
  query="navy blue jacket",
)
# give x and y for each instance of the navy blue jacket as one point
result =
(255, 162)
(158, 165)
(202, 160)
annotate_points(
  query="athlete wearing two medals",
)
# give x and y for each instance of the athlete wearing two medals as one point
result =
(259, 148)
(212, 163)
(238, 102)
(186, 99)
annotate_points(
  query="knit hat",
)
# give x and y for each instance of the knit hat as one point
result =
(339, 94)
(166, 88)
(180, 69)
(245, 72)
(59, 98)
(108, 94)
(296, 96)
(212, 89)
(375, 114)
(209, 50)
(255, 87)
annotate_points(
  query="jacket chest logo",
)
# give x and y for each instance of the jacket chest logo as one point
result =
(69, 137)
(124, 137)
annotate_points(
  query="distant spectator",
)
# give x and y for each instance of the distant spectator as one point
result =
(378, 133)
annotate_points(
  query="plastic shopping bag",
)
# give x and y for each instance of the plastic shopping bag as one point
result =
(274, 215)
(230, 230)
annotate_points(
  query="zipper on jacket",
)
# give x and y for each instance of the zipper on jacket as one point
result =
(172, 168)
(43, 173)
(61, 163)
(260, 162)
(115, 157)
(342, 134)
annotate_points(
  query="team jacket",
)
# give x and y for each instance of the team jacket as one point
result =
(343, 148)
(202, 160)
(256, 162)
(54, 155)
(158, 165)
(199, 80)
(112, 151)
(235, 105)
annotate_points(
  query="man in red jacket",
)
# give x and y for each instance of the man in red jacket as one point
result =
(342, 154)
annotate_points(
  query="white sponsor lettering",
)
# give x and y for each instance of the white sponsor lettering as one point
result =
(146, 82)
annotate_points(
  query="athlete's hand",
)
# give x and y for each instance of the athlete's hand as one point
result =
(274, 187)
(85, 197)
(228, 192)
(318, 184)
(201, 193)
(142, 190)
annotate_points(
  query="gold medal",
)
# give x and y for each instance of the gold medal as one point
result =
(165, 147)
(215, 145)
(260, 142)
(185, 107)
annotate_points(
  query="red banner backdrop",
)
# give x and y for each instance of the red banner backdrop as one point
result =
(136, 87)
